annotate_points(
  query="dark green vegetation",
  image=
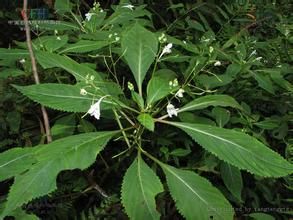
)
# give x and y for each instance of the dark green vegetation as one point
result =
(221, 70)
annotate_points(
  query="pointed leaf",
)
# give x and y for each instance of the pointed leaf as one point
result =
(238, 149)
(195, 197)
(264, 82)
(221, 115)
(13, 54)
(79, 71)
(158, 87)
(15, 161)
(139, 189)
(232, 179)
(147, 121)
(210, 100)
(83, 46)
(78, 151)
(61, 97)
(139, 47)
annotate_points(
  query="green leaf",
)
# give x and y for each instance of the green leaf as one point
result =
(210, 100)
(21, 214)
(195, 197)
(147, 121)
(51, 43)
(61, 97)
(13, 54)
(138, 99)
(140, 48)
(15, 161)
(222, 116)
(63, 127)
(180, 152)
(56, 25)
(62, 6)
(232, 179)
(238, 149)
(83, 46)
(79, 71)
(158, 87)
(264, 82)
(269, 123)
(139, 189)
(218, 80)
(6, 73)
(78, 151)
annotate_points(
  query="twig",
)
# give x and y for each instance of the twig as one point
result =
(34, 68)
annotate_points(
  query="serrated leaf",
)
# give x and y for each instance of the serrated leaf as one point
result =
(139, 189)
(195, 197)
(158, 87)
(79, 71)
(232, 179)
(56, 25)
(78, 151)
(140, 48)
(210, 100)
(15, 161)
(83, 46)
(238, 149)
(61, 97)
(147, 121)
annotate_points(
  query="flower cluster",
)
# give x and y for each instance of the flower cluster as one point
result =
(162, 38)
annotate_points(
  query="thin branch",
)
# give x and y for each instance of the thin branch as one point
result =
(34, 68)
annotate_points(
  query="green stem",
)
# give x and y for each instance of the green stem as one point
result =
(122, 129)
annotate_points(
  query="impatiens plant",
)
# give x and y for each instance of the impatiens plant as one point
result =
(128, 82)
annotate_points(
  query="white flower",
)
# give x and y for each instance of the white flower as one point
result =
(129, 6)
(218, 63)
(252, 53)
(166, 50)
(22, 61)
(211, 49)
(95, 109)
(179, 93)
(58, 38)
(88, 16)
(258, 58)
(117, 38)
(171, 110)
(83, 92)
